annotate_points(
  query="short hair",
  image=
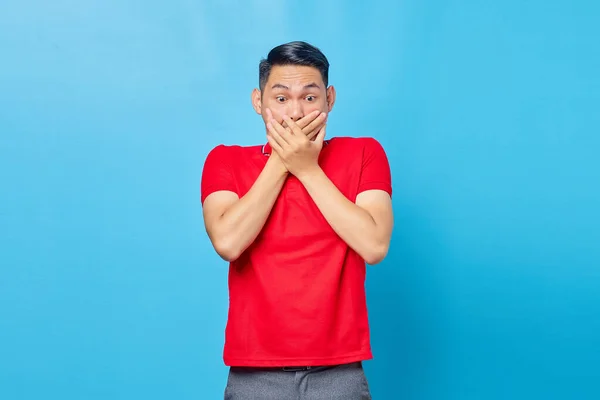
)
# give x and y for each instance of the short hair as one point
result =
(293, 53)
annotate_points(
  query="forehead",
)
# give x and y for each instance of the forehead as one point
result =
(294, 76)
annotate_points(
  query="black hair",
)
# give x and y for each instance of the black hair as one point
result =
(293, 53)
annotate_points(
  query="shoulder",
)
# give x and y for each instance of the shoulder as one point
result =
(354, 141)
(362, 144)
(227, 153)
(228, 149)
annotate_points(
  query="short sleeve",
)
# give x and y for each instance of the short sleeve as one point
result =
(375, 173)
(217, 173)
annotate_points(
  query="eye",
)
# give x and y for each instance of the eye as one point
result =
(310, 98)
(280, 99)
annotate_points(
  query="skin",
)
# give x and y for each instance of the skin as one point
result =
(294, 105)
(295, 91)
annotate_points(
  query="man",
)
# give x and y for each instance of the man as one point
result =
(297, 218)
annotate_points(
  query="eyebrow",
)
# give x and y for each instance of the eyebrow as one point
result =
(308, 86)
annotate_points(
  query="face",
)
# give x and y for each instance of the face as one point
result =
(294, 91)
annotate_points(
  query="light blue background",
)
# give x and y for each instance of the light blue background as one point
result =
(489, 111)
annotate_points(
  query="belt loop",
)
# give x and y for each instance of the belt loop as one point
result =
(295, 369)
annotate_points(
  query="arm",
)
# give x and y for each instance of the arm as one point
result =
(232, 223)
(366, 226)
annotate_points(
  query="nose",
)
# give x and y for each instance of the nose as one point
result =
(295, 110)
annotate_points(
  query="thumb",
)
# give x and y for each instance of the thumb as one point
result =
(320, 137)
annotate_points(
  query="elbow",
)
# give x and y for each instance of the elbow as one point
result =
(229, 257)
(226, 250)
(376, 254)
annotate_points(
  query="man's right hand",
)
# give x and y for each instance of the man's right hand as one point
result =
(310, 124)
(232, 222)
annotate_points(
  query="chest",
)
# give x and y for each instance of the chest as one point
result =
(295, 216)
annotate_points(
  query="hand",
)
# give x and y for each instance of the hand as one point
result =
(310, 124)
(296, 149)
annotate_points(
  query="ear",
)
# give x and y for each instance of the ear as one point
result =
(330, 97)
(256, 101)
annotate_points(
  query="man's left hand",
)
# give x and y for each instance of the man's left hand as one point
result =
(299, 153)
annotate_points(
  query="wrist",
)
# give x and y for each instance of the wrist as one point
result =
(275, 165)
(309, 173)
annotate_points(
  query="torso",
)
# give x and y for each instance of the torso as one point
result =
(297, 293)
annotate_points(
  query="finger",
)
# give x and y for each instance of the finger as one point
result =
(321, 136)
(307, 119)
(274, 145)
(269, 115)
(284, 132)
(292, 125)
(286, 127)
(270, 118)
(274, 133)
(314, 132)
(313, 128)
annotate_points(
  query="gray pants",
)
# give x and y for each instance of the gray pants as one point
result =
(342, 382)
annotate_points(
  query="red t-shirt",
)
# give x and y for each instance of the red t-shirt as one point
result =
(297, 294)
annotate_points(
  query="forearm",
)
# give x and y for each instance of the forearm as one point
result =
(242, 221)
(352, 223)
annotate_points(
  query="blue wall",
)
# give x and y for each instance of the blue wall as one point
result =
(490, 114)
